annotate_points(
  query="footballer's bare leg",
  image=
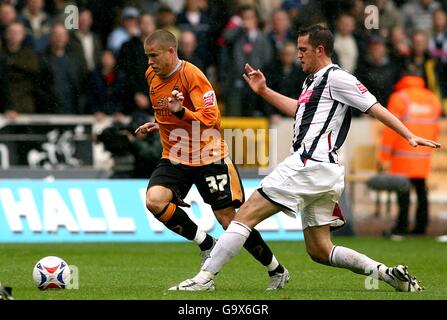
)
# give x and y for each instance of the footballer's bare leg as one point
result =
(256, 209)
(321, 249)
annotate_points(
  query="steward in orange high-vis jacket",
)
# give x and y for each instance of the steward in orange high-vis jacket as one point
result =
(419, 109)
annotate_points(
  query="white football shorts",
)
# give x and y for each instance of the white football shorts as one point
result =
(312, 189)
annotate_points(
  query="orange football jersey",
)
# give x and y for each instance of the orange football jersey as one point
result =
(194, 139)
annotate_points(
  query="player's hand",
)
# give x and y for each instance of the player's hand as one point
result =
(147, 127)
(175, 102)
(254, 78)
(418, 141)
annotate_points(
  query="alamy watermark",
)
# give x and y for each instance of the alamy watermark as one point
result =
(371, 17)
(72, 19)
(74, 278)
(256, 147)
(372, 280)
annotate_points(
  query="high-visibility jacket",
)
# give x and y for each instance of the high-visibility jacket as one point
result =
(419, 109)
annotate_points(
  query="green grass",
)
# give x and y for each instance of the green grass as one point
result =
(146, 270)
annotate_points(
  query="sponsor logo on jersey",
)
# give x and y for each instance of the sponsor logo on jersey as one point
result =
(305, 96)
(361, 87)
(161, 107)
(209, 98)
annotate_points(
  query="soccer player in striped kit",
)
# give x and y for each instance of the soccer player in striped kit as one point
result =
(310, 180)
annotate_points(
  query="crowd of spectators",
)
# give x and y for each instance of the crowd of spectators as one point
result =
(99, 67)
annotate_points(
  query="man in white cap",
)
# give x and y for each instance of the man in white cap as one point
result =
(128, 29)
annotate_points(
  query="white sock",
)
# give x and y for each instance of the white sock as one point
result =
(350, 259)
(273, 265)
(200, 236)
(228, 245)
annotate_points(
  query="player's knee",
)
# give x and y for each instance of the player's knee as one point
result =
(225, 216)
(318, 254)
(156, 207)
(224, 222)
(155, 204)
(157, 198)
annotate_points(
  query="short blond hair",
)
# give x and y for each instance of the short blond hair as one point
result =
(162, 37)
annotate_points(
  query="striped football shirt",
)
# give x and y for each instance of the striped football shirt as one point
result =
(323, 116)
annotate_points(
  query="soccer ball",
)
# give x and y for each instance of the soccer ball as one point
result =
(51, 272)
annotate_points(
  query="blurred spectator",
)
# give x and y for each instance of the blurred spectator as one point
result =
(234, 21)
(419, 109)
(416, 62)
(377, 72)
(194, 19)
(400, 3)
(8, 15)
(67, 73)
(176, 6)
(146, 149)
(345, 45)
(356, 8)
(133, 62)
(417, 15)
(86, 43)
(280, 32)
(293, 9)
(105, 13)
(266, 8)
(247, 44)
(399, 45)
(326, 11)
(106, 86)
(23, 68)
(187, 45)
(220, 12)
(128, 29)
(133, 156)
(389, 16)
(166, 20)
(284, 76)
(5, 93)
(149, 6)
(37, 23)
(57, 9)
(115, 139)
(437, 47)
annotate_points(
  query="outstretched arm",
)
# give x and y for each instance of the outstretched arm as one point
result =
(383, 115)
(256, 81)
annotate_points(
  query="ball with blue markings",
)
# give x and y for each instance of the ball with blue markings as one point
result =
(51, 272)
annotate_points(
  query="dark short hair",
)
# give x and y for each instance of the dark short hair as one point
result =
(319, 36)
(163, 38)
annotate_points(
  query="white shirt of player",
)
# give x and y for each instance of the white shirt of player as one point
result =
(323, 116)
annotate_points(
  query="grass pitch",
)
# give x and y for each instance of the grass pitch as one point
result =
(144, 271)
